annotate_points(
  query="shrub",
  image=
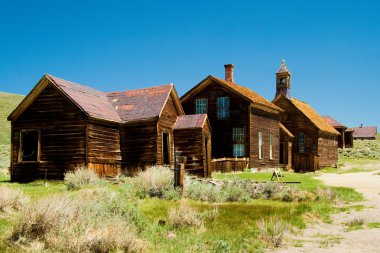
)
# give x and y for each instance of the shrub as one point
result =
(81, 177)
(272, 231)
(355, 224)
(12, 199)
(184, 216)
(327, 194)
(156, 181)
(202, 191)
(235, 192)
(222, 246)
(91, 221)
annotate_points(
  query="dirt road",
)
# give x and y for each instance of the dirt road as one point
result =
(322, 237)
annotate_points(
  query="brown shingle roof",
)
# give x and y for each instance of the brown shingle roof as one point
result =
(365, 132)
(140, 104)
(93, 102)
(190, 121)
(314, 117)
(333, 122)
(252, 96)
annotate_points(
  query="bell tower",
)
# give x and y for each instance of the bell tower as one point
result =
(283, 81)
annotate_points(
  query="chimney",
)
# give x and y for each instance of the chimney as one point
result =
(361, 125)
(229, 72)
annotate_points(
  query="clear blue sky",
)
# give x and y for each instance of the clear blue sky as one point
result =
(332, 48)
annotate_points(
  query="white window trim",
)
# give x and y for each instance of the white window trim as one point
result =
(260, 137)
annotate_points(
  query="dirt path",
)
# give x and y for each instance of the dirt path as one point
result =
(324, 237)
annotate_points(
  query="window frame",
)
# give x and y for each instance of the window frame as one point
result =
(22, 131)
(225, 111)
(270, 146)
(260, 144)
(241, 150)
(196, 108)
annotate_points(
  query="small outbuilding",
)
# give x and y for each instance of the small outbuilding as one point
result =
(364, 132)
(345, 139)
(192, 135)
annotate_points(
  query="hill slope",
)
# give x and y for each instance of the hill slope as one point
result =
(8, 102)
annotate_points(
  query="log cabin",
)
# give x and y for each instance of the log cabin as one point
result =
(245, 126)
(315, 142)
(346, 138)
(192, 134)
(61, 125)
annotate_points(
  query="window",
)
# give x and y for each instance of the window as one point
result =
(201, 106)
(223, 104)
(238, 142)
(238, 150)
(238, 134)
(301, 142)
(260, 145)
(29, 150)
(270, 146)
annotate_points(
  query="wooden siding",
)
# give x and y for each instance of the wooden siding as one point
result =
(62, 129)
(268, 124)
(103, 148)
(315, 141)
(138, 146)
(222, 128)
(165, 125)
(327, 150)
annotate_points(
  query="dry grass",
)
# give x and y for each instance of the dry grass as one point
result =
(184, 216)
(92, 221)
(81, 177)
(272, 231)
(156, 181)
(12, 199)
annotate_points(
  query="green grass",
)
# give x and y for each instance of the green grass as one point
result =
(8, 102)
(4, 156)
(374, 225)
(307, 180)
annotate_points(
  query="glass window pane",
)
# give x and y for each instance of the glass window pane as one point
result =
(238, 150)
(238, 134)
(201, 106)
(223, 111)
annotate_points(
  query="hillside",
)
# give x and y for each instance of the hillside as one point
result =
(8, 103)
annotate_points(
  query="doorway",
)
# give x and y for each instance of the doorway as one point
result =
(165, 149)
(282, 152)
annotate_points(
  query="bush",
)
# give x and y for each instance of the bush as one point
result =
(272, 231)
(12, 199)
(202, 191)
(363, 149)
(91, 221)
(156, 181)
(235, 192)
(327, 194)
(184, 216)
(81, 177)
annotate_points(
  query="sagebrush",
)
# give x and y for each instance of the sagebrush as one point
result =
(81, 177)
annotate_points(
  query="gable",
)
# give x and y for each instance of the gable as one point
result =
(91, 102)
(240, 91)
(295, 106)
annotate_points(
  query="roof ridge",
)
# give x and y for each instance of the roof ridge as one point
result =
(140, 89)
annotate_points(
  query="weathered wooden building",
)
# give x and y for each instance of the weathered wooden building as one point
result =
(192, 134)
(245, 126)
(147, 121)
(346, 138)
(315, 142)
(364, 132)
(60, 125)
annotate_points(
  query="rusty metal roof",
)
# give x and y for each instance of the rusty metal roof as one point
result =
(140, 104)
(333, 122)
(93, 102)
(190, 121)
(365, 132)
